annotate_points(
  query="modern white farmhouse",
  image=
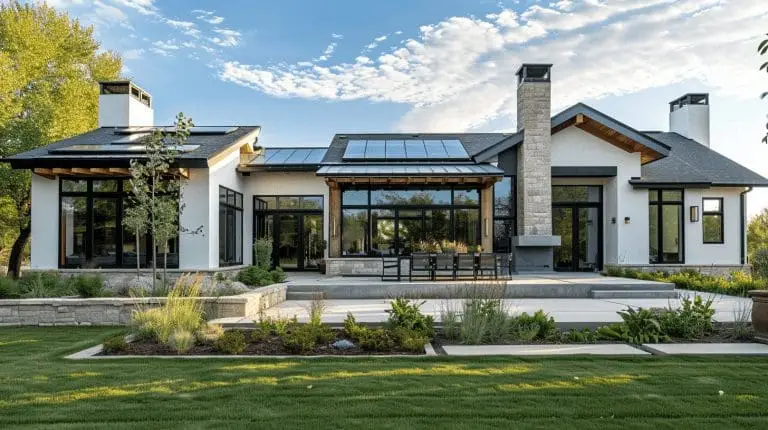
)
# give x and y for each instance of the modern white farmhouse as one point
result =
(573, 192)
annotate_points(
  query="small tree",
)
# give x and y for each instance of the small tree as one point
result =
(156, 191)
(135, 221)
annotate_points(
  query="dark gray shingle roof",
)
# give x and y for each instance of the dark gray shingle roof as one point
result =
(691, 162)
(208, 146)
(403, 169)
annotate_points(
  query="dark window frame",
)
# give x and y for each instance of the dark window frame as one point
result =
(232, 209)
(575, 205)
(261, 211)
(720, 213)
(660, 203)
(120, 196)
(505, 218)
(396, 208)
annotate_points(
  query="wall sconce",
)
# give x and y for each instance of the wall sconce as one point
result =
(694, 214)
(334, 233)
(626, 220)
(485, 226)
(613, 220)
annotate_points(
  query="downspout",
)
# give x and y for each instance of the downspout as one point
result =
(742, 222)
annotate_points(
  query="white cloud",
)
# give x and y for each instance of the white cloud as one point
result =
(144, 7)
(133, 54)
(337, 36)
(167, 45)
(185, 27)
(227, 37)
(329, 50)
(460, 73)
(207, 16)
(159, 51)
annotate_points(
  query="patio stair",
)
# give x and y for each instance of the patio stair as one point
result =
(634, 294)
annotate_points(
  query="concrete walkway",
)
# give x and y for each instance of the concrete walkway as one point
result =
(568, 313)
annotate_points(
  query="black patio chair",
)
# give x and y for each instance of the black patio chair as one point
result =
(445, 262)
(488, 264)
(387, 264)
(421, 265)
(466, 263)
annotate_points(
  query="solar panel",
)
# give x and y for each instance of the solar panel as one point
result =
(134, 130)
(113, 148)
(414, 149)
(435, 149)
(355, 149)
(211, 130)
(395, 149)
(131, 138)
(315, 156)
(455, 149)
(298, 156)
(375, 149)
(281, 156)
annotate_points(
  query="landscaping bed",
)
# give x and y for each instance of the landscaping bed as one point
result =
(272, 345)
(736, 284)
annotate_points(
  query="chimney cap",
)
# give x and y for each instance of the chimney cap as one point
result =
(701, 99)
(125, 87)
(534, 72)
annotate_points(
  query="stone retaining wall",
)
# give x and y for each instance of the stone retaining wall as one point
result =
(713, 270)
(118, 310)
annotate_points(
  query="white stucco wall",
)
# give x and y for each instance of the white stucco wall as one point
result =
(624, 243)
(123, 110)
(44, 241)
(696, 251)
(289, 184)
(225, 173)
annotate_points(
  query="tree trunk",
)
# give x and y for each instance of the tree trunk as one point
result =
(17, 252)
(165, 264)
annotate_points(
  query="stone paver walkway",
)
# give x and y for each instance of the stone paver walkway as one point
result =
(708, 348)
(596, 349)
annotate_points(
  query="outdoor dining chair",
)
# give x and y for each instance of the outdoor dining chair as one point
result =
(421, 265)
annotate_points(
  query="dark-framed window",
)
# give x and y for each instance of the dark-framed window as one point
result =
(712, 216)
(230, 227)
(91, 231)
(296, 225)
(504, 214)
(389, 221)
(665, 226)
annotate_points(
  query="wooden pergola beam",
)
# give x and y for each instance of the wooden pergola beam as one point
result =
(46, 173)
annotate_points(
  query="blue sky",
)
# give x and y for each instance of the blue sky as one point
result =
(305, 70)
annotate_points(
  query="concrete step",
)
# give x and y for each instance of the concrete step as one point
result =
(634, 294)
(304, 295)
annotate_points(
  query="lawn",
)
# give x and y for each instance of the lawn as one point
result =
(40, 389)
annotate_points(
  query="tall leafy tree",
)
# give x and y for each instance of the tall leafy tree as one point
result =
(757, 233)
(156, 191)
(49, 69)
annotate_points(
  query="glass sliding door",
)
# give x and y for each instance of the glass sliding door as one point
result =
(313, 248)
(288, 242)
(74, 224)
(297, 229)
(562, 225)
(665, 226)
(588, 240)
(577, 219)
(104, 232)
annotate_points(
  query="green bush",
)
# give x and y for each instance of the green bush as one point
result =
(275, 326)
(262, 251)
(638, 327)
(258, 277)
(9, 289)
(231, 342)
(351, 327)
(89, 285)
(43, 284)
(484, 321)
(209, 333)
(692, 321)
(182, 311)
(301, 339)
(737, 284)
(376, 340)
(407, 314)
(451, 324)
(115, 344)
(277, 275)
(547, 326)
(526, 332)
(614, 271)
(410, 340)
(181, 341)
(579, 336)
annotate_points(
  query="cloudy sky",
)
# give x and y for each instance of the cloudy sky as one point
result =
(305, 70)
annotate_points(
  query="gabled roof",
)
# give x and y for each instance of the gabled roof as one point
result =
(691, 163)
(204, 147)
(594, 122)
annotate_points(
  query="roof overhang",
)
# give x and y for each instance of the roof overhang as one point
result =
(491, 152)
(610, 130)
(584, 171)
(411, 174)
(639, 183)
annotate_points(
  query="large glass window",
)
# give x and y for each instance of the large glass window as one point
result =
(712, 220)
(230, 227)
(504, 214)
(665, 228)
(296, 227)
(398, 220)
(91, 234)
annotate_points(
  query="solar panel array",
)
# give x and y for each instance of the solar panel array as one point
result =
(113, 149)
(408, 150)
(283, 156)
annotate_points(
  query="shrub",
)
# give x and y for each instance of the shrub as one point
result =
(639, 326)
(375, 340)
(9, 289)
(277, 326)
(89, 285)
(547, 326)
(277, 275)
(317, 309)
(525, 332)
(181, 341)
(407, 314)
(692, 321)
(253, 276)
(451, 324)
(231, 342)
(410, 340)
(473, 322)
(115, 344)
(351, 327)
(262, 251)
(579, 336)
(742, 321)
(209, 333)
(301, 340)
(42, 284)
(182, 311)
(613, 271)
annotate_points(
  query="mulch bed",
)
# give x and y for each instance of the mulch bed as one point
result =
(271, 346)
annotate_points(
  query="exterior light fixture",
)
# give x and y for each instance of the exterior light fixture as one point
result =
(694, 214)
(626, 220)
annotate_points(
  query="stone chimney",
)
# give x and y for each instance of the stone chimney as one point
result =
(534, 241)
(124, 104)
(689, 117)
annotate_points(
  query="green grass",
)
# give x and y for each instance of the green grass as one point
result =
(39, 389)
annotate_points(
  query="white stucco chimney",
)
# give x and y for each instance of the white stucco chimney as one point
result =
(124, 104)
(689, 117)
